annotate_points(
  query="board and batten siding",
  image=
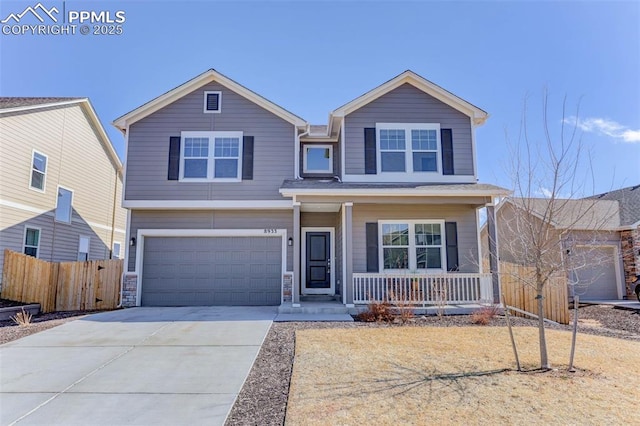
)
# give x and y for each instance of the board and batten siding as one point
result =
(77, 160)
(211, 219)
(407, 104)
(463, 215)
(148, 150)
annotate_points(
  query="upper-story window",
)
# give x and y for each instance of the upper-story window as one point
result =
(212, 102)
(64, 205)
(211, 156)
(408, 147)
(38, 171)
(318, 159)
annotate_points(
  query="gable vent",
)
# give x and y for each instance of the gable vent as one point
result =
(212, 101)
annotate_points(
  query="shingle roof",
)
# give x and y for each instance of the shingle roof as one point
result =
(6, 103)
(629, 199)
(338, 186)
(581, 214)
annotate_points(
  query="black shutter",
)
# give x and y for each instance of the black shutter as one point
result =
(372, 247)
(446, 137)
(174, 158)
(370, 166)
(247, 158)
(451, 233)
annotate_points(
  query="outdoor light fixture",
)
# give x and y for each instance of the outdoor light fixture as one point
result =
(132, 242)
(290, 242)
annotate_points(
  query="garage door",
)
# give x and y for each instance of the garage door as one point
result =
(223, 271)
(598, 280)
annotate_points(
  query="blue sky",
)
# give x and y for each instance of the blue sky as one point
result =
(311, 57)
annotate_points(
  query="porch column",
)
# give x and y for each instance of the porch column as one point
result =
(295, 291)
(348, 266)
(493, 252)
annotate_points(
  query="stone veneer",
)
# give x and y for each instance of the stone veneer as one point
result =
(630, 244)
(287, 286)
(129, 289)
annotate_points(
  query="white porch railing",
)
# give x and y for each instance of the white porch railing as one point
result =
(423, 289)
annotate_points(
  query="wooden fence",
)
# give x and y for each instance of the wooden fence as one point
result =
(519, 295)
(65, 286)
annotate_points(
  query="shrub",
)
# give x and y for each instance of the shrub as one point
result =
(484, 315)
(22, 318)
(376, 312)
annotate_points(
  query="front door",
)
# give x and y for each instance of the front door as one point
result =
(317, 279)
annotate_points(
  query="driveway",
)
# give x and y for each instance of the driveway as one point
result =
(135, 366)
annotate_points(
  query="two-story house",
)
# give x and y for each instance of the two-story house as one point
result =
(61, 182)
(234, 200)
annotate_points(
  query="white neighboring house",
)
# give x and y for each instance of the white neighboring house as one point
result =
(60, 182)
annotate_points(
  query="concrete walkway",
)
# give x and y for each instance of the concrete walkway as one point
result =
(136, 366)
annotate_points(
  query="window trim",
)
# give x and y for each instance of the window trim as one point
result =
(206, 95)
(31, 170)
(408, 151)
(211, 135)
(80, 237)
(55, 215)
(113, 250)
(304, 159)
(24, 239)
(412, 245)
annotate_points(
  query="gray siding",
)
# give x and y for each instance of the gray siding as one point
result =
(407, 104)
(464, 216)
(220, 219)
(148, 151)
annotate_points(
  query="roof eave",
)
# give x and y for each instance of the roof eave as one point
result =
(208, 76)
(395, 192)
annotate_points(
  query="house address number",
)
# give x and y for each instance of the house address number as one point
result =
(270, 231)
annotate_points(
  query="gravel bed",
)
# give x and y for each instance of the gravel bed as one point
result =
(263, 399)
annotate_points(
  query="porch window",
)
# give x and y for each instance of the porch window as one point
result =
(412, 245)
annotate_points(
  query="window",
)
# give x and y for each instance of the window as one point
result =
(83, 248)
(412, 148)
(31, 241)
(116, 250)
(38, 170)
(318, 159)
(63, 207)
(212, 102)
(208, 156)
(413, 245)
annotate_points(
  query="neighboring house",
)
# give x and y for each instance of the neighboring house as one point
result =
(61, 181)
(629, 231)
(234, 200)
(597, 239)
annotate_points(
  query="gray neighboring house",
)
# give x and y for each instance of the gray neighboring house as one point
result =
(233, 200)
(598, 240)
(628, 200)
(61, 181)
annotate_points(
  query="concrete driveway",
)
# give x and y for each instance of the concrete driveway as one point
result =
(136, 366)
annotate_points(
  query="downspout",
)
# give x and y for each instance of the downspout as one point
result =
(297, 152)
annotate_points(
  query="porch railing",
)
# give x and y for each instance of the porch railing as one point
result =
(423, 289)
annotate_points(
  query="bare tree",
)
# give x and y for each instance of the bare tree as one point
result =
(548, 226)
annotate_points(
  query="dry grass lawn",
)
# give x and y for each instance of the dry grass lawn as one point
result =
(423, 375)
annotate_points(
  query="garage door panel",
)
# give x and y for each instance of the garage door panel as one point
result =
(186, 271)
(596, 279)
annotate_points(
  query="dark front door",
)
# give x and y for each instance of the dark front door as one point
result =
(318, 259)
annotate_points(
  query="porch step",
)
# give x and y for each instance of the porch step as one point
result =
(313, 317)
(319, 298)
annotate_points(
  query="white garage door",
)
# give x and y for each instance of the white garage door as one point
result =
(596, 281)
(211, 271)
